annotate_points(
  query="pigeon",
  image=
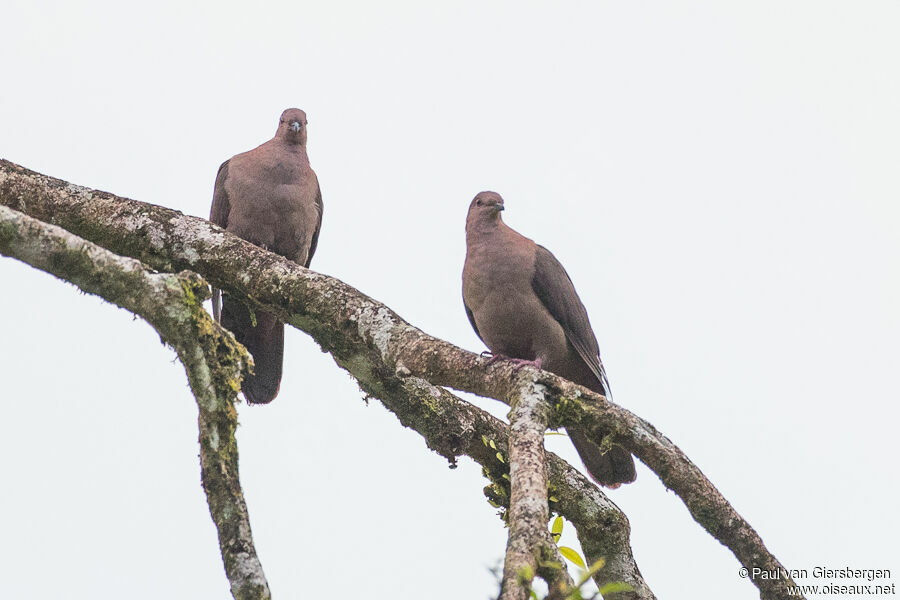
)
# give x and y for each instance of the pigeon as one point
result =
(524, 307)
(270, 197)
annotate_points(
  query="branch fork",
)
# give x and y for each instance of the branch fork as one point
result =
(369, 340)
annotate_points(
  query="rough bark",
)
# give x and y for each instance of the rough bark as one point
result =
(215, 363)
(452, 427)
(367, 337)
(528, 509)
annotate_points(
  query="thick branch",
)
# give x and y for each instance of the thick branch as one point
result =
(599, 527)
(367, 335)
(214, 362)
(528, 509)
(452, 427)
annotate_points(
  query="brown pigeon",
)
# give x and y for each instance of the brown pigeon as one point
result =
(523, 306)
(268, 196)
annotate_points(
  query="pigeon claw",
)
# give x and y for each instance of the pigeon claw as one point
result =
(492, 358)
(521, 362)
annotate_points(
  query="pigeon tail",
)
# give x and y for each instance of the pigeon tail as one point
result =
(611, 469)
(263, 336)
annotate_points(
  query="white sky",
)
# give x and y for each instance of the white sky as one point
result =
(719, 179)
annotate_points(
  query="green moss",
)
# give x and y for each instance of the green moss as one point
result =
(78, 266)
(228, 360)
(196, 290)
(8, 233)
(705, 515)
(566, 411)
(360, 367)
(94, 228)
(430, 403)
(497, 472)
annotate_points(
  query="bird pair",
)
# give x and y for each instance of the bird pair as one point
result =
(518, 297)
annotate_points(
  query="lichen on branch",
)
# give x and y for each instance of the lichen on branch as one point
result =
(215, 363)
(368, 338)
(529, 540)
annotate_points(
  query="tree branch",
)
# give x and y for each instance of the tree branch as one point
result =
(528, 509)
(453, 427)
(214, 361)
(367, 336)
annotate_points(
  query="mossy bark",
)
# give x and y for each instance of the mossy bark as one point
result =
(215, 363)
(530, 544)
(367, 337)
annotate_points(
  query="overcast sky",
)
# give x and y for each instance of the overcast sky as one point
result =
(719, 179)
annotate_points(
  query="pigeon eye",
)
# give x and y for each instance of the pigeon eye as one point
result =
(478, 202)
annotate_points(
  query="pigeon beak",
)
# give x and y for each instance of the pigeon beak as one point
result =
(501, 207)
(295, 126)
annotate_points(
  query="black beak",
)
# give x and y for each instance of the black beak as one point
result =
(501, 207)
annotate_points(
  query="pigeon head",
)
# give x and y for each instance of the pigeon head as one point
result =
(292, 126)
(485, 208)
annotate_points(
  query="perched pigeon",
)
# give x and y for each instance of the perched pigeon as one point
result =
(268, 196)
(523, 306)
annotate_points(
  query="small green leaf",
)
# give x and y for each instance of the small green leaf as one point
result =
(553, 499)
(484, 440)
(500, 457)
(557, 528)
(555, 433)
(505, 476)
(492, 444)
(572, 556)
(534, 595)
(616, 586)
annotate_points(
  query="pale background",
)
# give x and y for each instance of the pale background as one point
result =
(719, 179)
